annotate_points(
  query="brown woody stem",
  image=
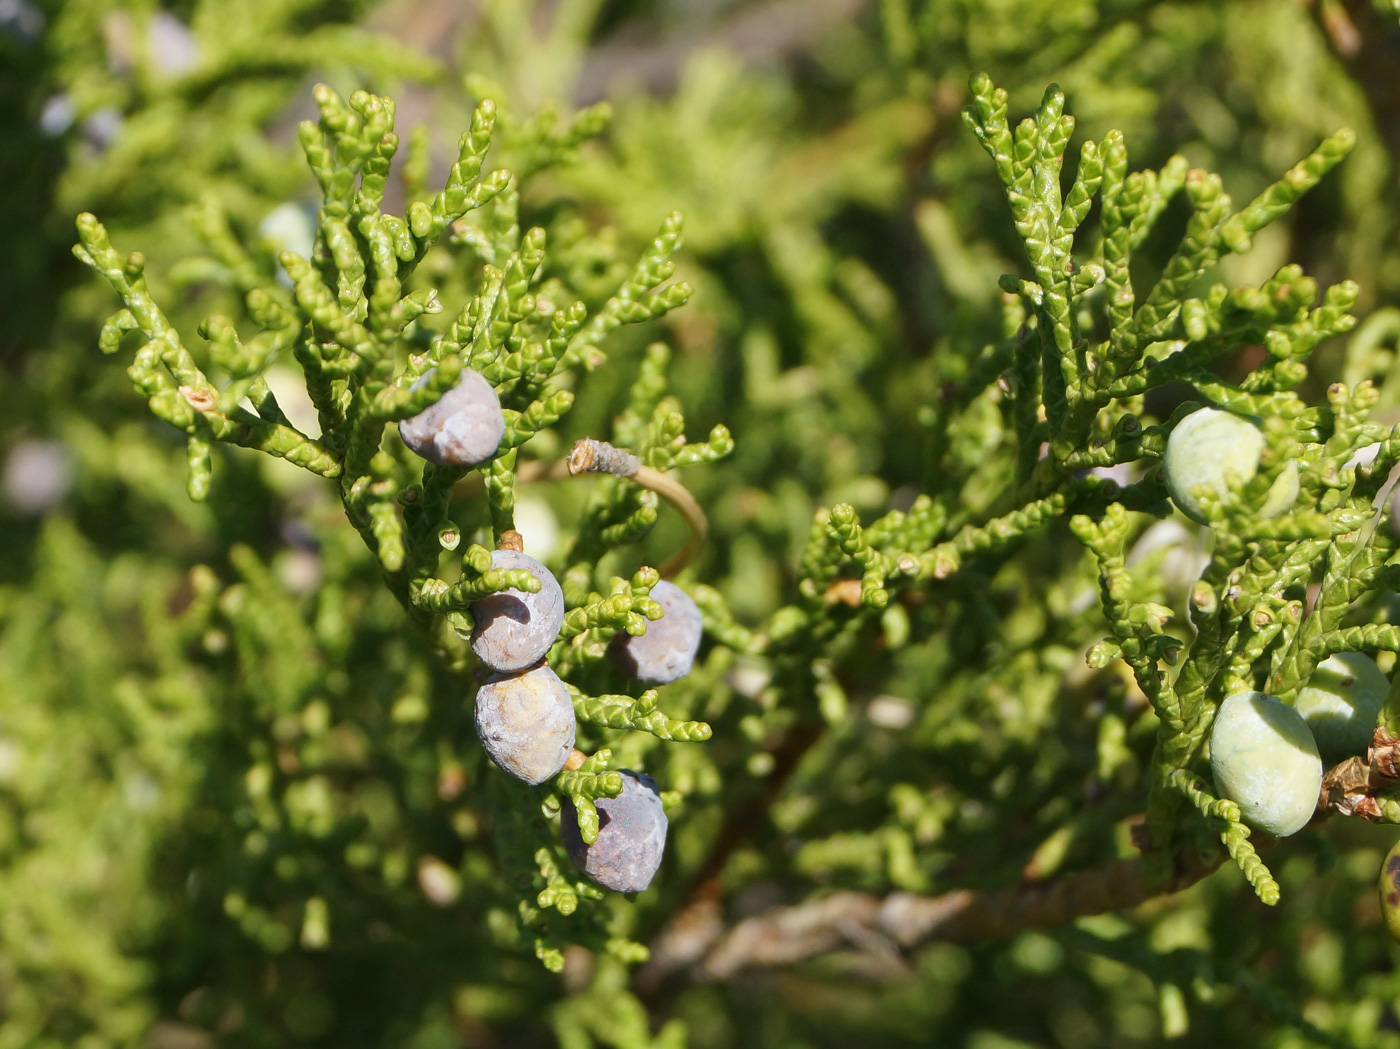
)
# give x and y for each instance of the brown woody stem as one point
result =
(701, 943)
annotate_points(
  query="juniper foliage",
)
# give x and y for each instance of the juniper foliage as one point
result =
(946, 730)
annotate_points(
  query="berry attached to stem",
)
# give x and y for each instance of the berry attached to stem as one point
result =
(631, 836)
(1341, 702)
(465, 426)
(526, 723)
(1219, 451)
(666, 652)
(513, 629)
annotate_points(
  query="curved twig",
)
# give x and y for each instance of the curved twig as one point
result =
(593, 456)
(590, 456)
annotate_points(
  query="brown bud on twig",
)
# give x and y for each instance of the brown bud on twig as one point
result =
(843, 591)
(199, 400)
(1384, 755)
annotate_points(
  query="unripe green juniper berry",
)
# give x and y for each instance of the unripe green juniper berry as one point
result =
(1265, 760)
(667, 650)
(631, 836)
(1341, 702)
(513, 629)
(1220, 451)
(463, 428)
(526, 723)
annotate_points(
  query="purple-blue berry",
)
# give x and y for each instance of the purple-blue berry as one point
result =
(667, 650)
(526, 723)
(513, 629)
(631, 836)
(463, 428)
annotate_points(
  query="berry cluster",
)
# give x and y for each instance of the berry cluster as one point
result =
(524, 712)
(1266, 755)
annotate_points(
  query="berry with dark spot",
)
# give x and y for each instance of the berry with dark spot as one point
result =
(1389, 886)
(667, 650)
(513, 629)
(631, 836)
(463, 428)
(526, 723)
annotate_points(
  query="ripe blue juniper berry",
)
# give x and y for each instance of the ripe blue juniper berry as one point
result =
(667, 650)
(513, 629)
(464, 427)
(631, 838)
(525, 722)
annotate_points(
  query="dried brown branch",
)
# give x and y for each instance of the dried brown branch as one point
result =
(591, 456)
(698, 942)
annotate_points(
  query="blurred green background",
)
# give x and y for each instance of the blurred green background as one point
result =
(239, 803)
